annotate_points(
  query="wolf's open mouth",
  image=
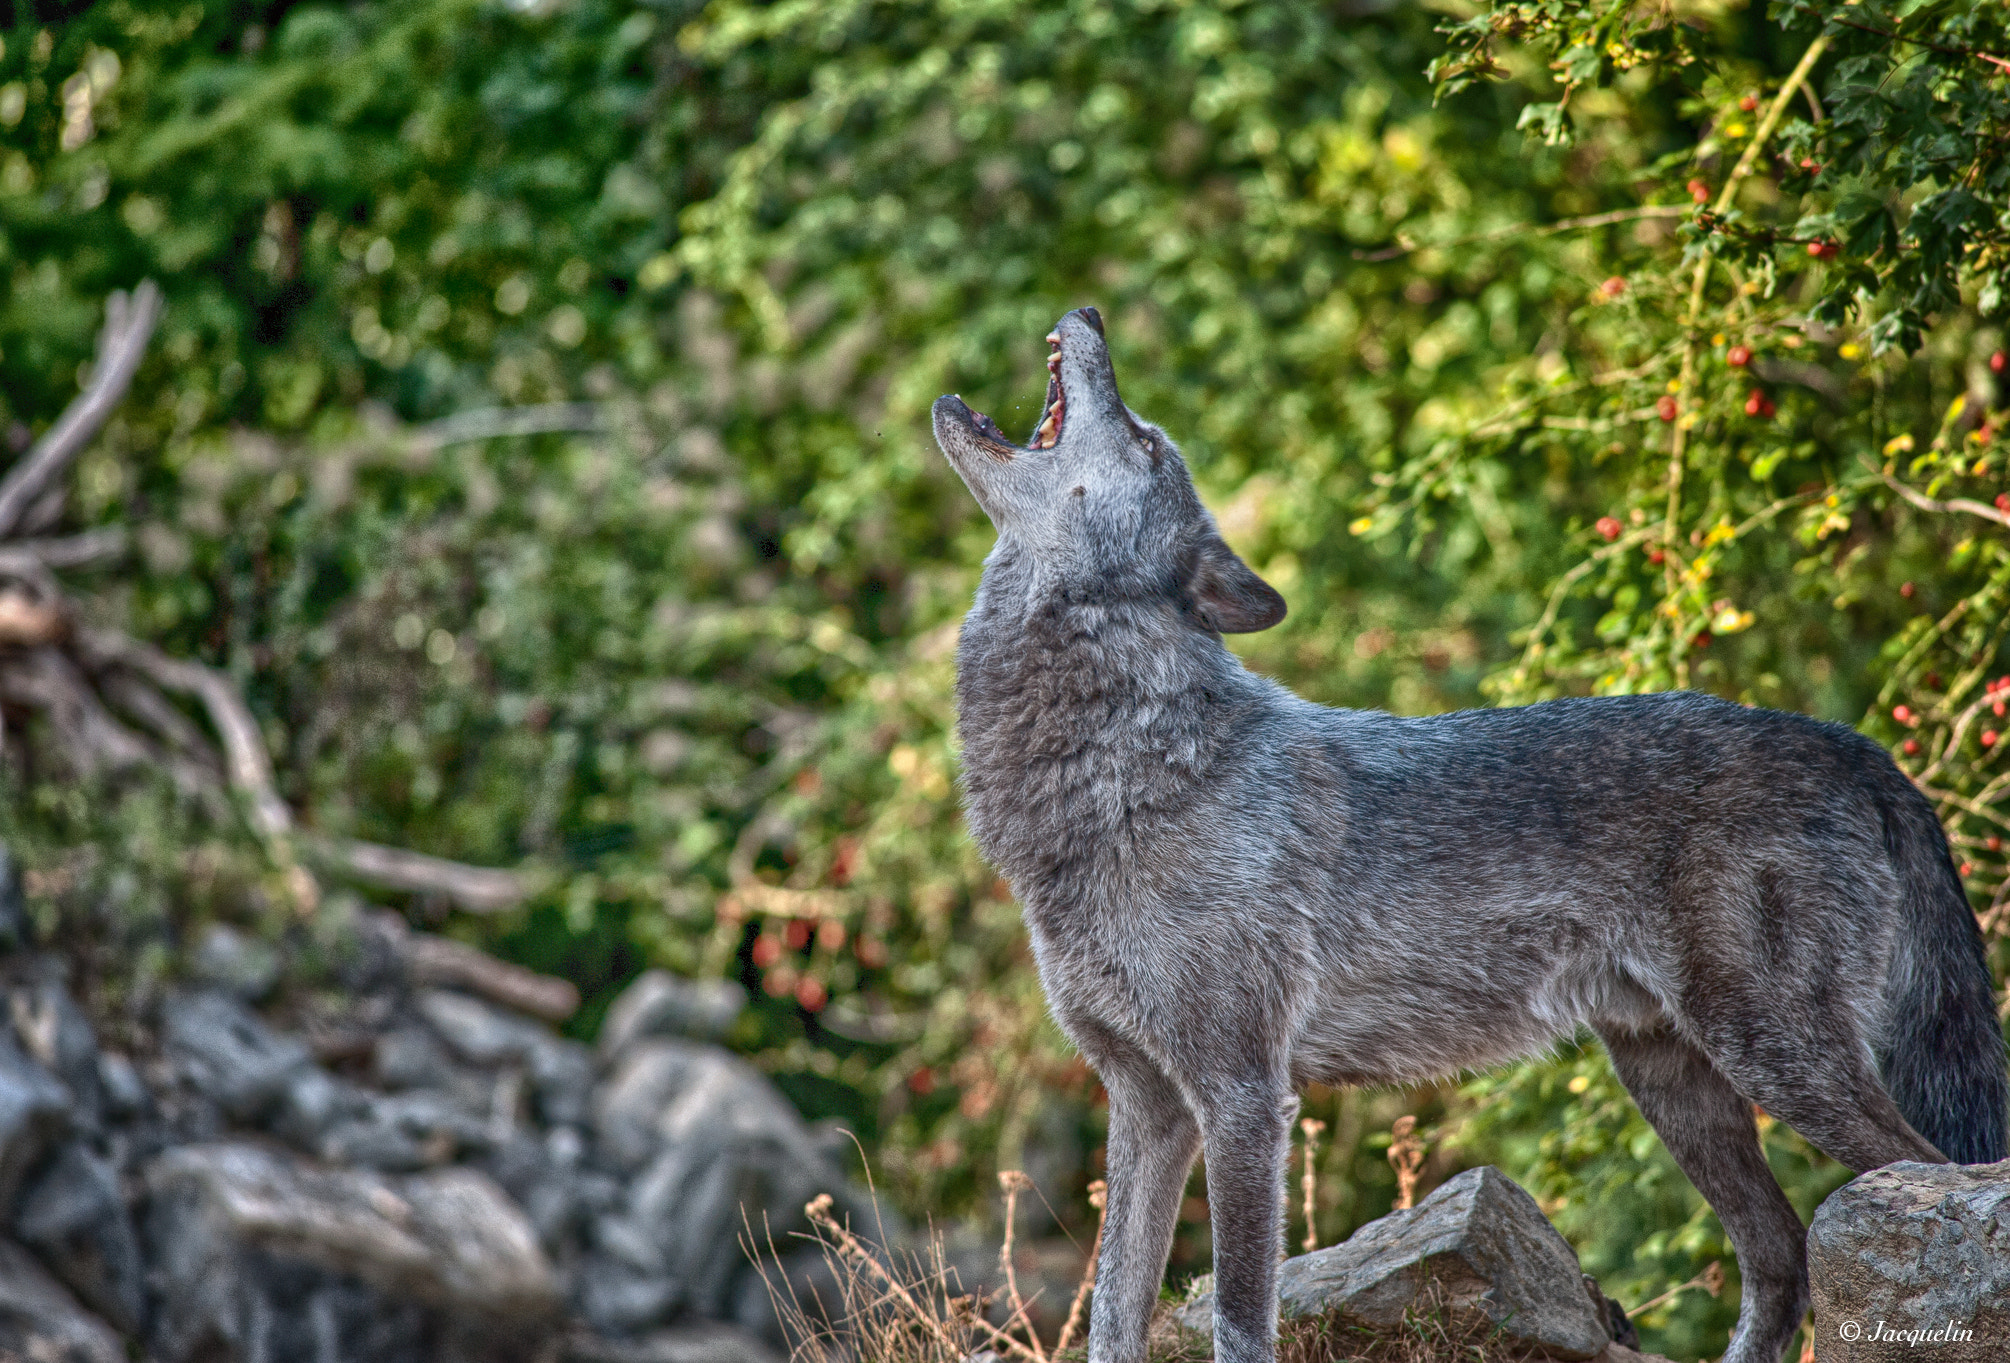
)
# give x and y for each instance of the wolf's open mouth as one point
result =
(1056, 410)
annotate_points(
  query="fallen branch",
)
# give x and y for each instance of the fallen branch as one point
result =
(129, 325)
(70, 673)
(477, 889)
(432, 959)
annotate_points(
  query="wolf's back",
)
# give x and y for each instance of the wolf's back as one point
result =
(1943, 1058)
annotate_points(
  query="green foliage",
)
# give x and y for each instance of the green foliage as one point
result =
(695, 666)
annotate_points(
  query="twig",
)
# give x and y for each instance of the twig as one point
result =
(433, 959)
(1533, 650)
(1406, 1157)
(1686, 378)
(1944, 49)
(1308, 1181)
(129, 324)
(1926, 503)
(1403, 248)
(1711, 1280)
(818, 1210)
(477, 889)
(1099, 1198)
(495, 423)
(1014, 1182)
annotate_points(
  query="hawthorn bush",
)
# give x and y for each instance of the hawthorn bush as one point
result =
(1528, 349)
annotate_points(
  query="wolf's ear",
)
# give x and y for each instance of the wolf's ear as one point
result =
(1224, 595)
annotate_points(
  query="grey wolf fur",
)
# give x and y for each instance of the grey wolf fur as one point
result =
(1232, 891)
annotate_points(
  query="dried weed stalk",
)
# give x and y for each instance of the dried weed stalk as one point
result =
(1406, 1156)
(1308, 1181)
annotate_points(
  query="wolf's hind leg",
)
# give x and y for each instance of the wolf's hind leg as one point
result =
(1153, 1139)
(1707, 1126)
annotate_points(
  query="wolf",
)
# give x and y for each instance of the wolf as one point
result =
(1232, 892)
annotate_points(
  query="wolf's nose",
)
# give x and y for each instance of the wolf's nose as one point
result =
(1093, 318)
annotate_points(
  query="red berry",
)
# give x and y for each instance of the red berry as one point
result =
(1657, 556)
(1906, 589)
(767, 950)
(1665, 407)
(1766, 408)
(1997, 362)
(1965, 869)
(1912, 747)
(811, 994)
(1699, 190)
(2003, 501)
(1608, 526)
(922, 1081)
(1809, 164)
(1702, 639)
(798, 933)
(1613, 287)
(1749, 103)
(1738, 356)
(1755, 403)
(1988, 738)
(1995, 843)
(1902, 713)
(1997, 709)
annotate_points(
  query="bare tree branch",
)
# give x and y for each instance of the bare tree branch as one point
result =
(245, 760)
(129, 324)
(493, 423)
(477, 889)
(442, 960)
(74, 551)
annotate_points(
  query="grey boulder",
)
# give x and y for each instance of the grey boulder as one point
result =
(34, 1110)
(1913, 1261)
(660, 1004)
(74, 1216)
(448, 1240)
(42, 1322)
(228, 1055)
(1485, 1245)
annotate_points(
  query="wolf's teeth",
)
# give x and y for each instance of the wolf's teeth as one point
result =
(1045, 435)
(1054, 338)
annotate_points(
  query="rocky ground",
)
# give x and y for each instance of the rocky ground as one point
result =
(423, 1174)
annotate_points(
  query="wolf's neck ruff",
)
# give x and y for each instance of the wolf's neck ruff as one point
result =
(1085, 714)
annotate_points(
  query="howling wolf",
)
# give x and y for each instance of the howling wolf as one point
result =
(1232, 891)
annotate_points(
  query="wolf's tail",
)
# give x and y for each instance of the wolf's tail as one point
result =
(1943, 1058)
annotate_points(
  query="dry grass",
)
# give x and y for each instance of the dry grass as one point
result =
(910, 1308)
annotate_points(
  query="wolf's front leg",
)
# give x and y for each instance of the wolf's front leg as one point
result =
(1248, 1133)
(1153, 1139)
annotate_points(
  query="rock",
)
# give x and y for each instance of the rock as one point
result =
(1913, 1261)
(74, 1216)
(1485, 1244)
(697, 1342)
(478, 1032)
(17, 929)
(711, 1146)
(125, 1093)
(34, 1110)
(449, 1240)
(560, 1071)
(227, 1053)
(659, 1004)
(39, 1321)
(57, 1034)
(236, 963)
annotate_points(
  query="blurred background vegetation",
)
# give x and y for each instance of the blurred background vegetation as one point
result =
(536, 434)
